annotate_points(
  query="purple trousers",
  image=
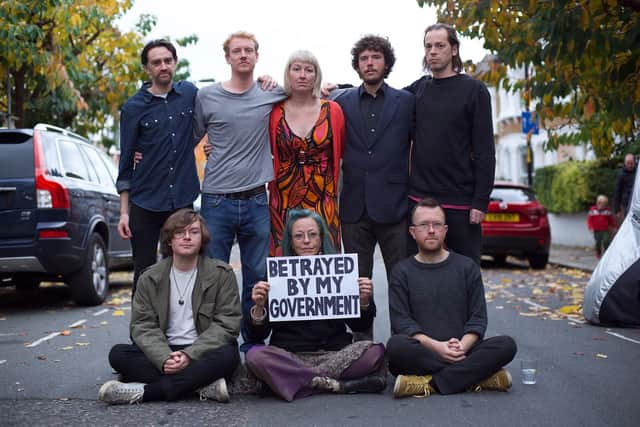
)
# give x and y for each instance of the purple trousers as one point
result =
(289, 374)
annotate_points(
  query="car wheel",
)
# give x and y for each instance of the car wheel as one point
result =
(89, 285)
(538, 261)
(499, 258)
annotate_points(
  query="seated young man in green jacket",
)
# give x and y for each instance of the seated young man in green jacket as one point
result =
(185, 320)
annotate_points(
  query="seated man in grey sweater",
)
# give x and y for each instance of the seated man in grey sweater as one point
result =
(439, 317)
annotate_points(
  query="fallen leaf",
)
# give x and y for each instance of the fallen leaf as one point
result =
(65, 333)
(42, 357)
(69, 347)
(571, 309)
(601, 356)
(63, 398)
(78, 326)
(3, 361)
(118, 313)
(83, 335)
(82, 344)
(104, 322)
(499, 307)
(505, 280)
(529, 314)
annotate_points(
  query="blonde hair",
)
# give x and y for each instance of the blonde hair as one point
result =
(239, 35)
(306, 57)
(602, 198)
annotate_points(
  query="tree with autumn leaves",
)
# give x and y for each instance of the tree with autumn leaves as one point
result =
(583, 58)
(65, 62)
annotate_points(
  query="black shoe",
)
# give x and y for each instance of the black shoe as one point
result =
(369, 384)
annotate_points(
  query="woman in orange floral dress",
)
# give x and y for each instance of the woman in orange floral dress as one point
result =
(306, 142)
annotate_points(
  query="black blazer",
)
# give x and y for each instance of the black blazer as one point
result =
(376, 175)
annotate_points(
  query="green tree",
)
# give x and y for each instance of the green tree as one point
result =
(67, 63)
(583, 57)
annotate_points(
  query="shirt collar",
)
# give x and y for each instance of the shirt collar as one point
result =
(148, 96)
(381, 90)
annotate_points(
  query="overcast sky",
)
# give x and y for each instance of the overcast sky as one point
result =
(327, 28)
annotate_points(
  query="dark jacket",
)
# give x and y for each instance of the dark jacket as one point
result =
(623, 188)
(310, 335)
(376, 171)
(216, 310)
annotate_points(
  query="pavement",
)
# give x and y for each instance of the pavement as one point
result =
(581, 258)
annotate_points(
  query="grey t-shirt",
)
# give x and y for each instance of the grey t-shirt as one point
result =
(238, 127)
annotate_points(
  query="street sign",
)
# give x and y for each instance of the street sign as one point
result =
(530, 122)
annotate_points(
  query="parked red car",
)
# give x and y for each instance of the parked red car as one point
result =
(516, 224)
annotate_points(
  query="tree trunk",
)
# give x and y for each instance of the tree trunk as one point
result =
(18, 96)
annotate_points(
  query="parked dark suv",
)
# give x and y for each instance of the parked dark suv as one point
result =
(59, 213)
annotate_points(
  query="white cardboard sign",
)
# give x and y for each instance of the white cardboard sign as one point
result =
(313, 287)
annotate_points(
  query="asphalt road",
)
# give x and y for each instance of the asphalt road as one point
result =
(53, 358)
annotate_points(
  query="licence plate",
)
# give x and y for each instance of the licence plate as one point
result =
(502, 217)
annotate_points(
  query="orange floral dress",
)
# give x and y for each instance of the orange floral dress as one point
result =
(307, 171)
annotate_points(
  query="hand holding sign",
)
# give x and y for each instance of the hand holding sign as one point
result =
(365, 286)
(260, 294)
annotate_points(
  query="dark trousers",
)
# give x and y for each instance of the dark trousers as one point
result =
(462, 237)
(361, 238)
(134, 366)
(407, 356)
(145, 228)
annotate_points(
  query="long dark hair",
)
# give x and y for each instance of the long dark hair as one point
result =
(452, 36)
(297, 214)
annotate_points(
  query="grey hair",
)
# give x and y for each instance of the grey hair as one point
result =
(309, 58)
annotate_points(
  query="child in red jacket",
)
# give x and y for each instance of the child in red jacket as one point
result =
(602, 222)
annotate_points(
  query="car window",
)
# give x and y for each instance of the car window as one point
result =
(16, 152)
(111, 166)
(72, 161)
(97, 164)
(49, 148)
(512, 195)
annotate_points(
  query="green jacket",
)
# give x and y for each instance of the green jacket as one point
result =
(216, 310)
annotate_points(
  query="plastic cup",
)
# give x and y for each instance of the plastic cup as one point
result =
(528, 369)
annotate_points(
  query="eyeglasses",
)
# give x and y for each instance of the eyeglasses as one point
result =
(426, 226)
(181, 234)
(310, 235)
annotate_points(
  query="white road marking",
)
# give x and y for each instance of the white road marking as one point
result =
(622, 337)
(43, 339)
(55, 334)
(78, 323)
(103, 311)
(8, 334)
(3, 361)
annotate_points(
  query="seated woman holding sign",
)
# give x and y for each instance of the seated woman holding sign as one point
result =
(307, 356)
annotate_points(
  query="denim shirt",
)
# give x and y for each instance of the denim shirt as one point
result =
(162, 130)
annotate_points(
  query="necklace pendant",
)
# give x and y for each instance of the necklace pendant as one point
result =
(181, 301)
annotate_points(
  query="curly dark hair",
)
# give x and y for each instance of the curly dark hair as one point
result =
(377, 44)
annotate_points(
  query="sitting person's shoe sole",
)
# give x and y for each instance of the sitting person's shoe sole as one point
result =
(413, 385)
(118, 393)
(368, 384)
(217, 390)
(500, 381)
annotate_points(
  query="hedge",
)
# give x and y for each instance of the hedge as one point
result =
(573, 186)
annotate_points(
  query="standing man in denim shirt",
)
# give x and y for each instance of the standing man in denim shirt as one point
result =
(235, 116)
(157, 123)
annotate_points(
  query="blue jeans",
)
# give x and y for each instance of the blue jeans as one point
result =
(248, 219)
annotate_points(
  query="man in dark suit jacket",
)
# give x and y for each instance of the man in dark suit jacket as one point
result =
(375, 168)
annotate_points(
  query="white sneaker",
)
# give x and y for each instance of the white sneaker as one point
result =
(217, 390)
(119, 393)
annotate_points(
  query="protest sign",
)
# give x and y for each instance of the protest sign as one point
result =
(313, 287)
